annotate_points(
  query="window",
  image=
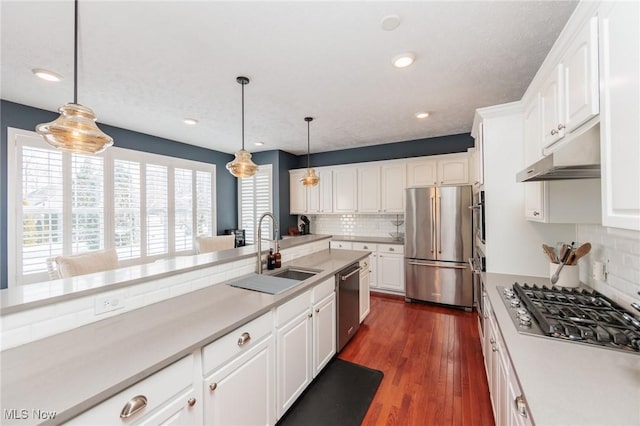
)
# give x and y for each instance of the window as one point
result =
(147, 206)
(254, 200)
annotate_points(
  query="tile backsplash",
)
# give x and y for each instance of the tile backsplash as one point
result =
(619, 250)
(361, 225)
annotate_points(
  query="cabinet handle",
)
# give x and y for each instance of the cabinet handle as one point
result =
(133, 406)
(536, 213)
(191, 402)
(309, 315)
(521, 406)
(317, 310)
(560, 126)
(392, 249)
(213, 386)
(554, 132)
(492, 340)
(244, 338)
(494, 349)
(365, 247)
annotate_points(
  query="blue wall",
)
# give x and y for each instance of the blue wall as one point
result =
(24, 117)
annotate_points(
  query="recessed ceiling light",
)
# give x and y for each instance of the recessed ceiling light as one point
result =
(46, 74)
(259, 143)
(403, 60)
(190, 121)
(390, 22)
(422, 114)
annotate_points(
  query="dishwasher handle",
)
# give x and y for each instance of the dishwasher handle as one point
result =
(350, 274)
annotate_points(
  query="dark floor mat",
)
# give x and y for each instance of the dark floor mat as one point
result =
(340, 395)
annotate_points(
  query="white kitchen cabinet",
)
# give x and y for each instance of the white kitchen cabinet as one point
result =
(447, 170)
(165, 396)
(619, 124)
(297, 193)
(368, 189)
(325, 189)
(534, 192)
(393, 184)
(518, 412)
(479, 157)
(324, 332)
(390, 268)
(345, 190)
(569, 96)
(340, 245)
(365, 296)
(305, 340)
(241, 391)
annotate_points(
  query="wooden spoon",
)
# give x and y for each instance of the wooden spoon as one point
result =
(551, 253)
(579, 252)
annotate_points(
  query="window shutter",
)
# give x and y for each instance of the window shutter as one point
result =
(157, 209)
(183, 181)
(127, 208)
(204, 202)
(255, 200)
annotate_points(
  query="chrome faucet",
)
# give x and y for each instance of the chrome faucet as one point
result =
(276, 229)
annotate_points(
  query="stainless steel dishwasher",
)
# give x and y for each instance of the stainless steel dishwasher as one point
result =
(348, 294)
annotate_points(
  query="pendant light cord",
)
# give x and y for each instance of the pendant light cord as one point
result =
(243, 115)
(308, 145)
(75, 55)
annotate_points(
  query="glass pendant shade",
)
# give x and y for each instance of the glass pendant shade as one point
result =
(75, 131)
(242, 166)
(310, 179)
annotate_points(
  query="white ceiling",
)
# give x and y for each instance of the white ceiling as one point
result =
(146, 65)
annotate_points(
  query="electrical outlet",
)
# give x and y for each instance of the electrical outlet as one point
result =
(599, 271)
(109, 303)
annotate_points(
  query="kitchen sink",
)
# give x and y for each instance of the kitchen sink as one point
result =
(295, 274)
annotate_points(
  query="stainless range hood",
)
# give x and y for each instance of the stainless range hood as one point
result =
(577, 158)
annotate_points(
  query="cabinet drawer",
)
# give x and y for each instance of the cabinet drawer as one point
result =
(158, 389)
(323, 289)
(391, 248)
(228, 346)
(344, 245)
(365, 246)
(291, 309)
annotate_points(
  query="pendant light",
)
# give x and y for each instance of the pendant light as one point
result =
(242, 166)
(75, 130)
(310, 179)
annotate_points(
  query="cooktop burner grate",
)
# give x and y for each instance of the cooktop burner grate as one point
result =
(580, 315)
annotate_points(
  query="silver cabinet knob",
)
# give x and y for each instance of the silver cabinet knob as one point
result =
(191, 402)
(492, 340)
(244, 338)
(317, 310)
(494, 349)
(309, 315)
(536, 213)
(521, 406)
(392, 249)
(554, 132)
(133, 406)
(213, 386)
(365, 247)
(560, 126)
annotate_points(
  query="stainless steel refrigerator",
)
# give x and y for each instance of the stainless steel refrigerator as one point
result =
(438, 244)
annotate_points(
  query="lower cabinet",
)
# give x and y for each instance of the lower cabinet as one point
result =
(390, 265)
(165, 397)
(305, 340)
(239, 379)
(507, 400)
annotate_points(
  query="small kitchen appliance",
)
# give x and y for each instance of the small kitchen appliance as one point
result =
(305, 227)
(571, 314)
(239, 234)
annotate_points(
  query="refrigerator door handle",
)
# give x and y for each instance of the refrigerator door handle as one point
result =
(432, 207)
(438, 265)
(439, 225)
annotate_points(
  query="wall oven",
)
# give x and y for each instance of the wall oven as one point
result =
(478, 207)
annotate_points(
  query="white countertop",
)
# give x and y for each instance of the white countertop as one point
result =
(72, 371)
(373, 240)
(566, 383)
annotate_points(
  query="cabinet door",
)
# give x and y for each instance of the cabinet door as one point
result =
(453, 171)
(391, 272)
(580, 63)
(297, 193)
(365, 297)
(619, 124)
(479, 156)
(534, 192)
(422, 173)
(313, 197)
(550, 108)
(294, 360)
(326, 190)
(393, 185)
(324, 332)
(246, 381)
(534, 201)
(368, 189)
(345, 190)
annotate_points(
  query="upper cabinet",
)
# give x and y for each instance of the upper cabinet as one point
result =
(345, 189)
(369, 189)
(297, 192)
(619, 124)
(314, 199)
(450, 170)
(569, 94)
(393, 185)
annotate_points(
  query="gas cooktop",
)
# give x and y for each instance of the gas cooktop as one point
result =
(576, 315)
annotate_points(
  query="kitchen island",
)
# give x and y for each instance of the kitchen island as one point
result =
(70, 372)
(566, 383)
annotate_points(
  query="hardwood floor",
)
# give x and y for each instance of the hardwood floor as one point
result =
(432, 363)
